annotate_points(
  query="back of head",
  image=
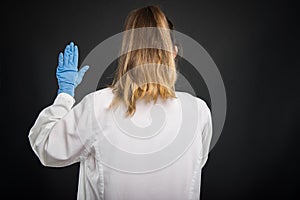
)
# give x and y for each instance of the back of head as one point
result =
(146, 67)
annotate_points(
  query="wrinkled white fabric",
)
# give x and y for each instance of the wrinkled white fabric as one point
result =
(63, 135)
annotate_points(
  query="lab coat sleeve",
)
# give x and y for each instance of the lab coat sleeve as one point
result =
(61, 134)
(206, 135)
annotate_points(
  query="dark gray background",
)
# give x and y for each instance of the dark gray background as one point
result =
(255, 44)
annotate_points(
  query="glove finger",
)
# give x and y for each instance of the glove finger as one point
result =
(71, 46)
(83, 69)
(71, 54)
(75, 58)
(81, 74)
(60, 59)
(66, 55)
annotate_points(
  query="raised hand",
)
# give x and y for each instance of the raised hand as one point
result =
(67, 73)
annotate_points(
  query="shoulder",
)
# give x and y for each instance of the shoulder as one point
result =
(203, 107)
(107, 91)
(102, 97)
(103, 94)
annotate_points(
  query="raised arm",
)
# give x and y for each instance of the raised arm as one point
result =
(60, 135)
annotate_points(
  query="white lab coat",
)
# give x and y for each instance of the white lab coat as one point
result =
(63, 135)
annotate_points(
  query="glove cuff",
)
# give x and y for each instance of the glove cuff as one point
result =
(67, 89)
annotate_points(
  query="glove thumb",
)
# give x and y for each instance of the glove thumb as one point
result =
(81, 74)
(83, 70)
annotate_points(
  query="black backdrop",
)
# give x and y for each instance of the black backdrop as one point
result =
(254, 44)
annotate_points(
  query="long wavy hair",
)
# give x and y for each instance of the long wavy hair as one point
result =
(145, 73)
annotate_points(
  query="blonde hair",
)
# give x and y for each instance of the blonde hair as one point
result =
(132, 79)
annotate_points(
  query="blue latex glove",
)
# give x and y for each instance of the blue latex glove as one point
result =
(67, 73)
